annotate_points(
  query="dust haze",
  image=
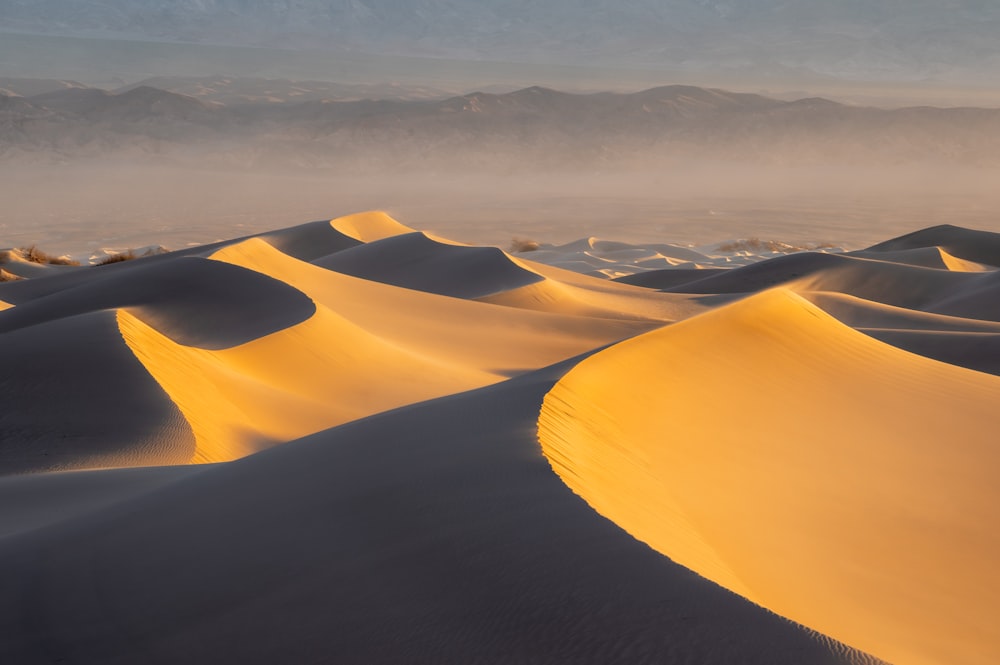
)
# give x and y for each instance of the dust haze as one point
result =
(78, 208)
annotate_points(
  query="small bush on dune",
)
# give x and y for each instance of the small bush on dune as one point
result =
(523, 245)
(36, 255)
(117, 258)
(757, 245)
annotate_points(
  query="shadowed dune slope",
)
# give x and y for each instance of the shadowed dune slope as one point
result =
(969, 244)
(435, 533)
(74, 396)
(194, 301)
(309, 241)
(467, 333)
(668, 278)
(974, 350)
(831, 478)
(924, 257)
(881, 281)
(414, 261)
(567, 292)
(40, 500)
(860, 313)
(979, 299)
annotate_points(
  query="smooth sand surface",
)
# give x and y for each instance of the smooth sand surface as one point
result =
(431, 534)
(789, 458)
(970, 244)
(924, 257)
(348, 441)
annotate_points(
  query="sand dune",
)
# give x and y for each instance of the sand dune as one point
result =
(789, 458)
(194, 301)
(969, 244)
(860, 313)
(322, 372)
(74, 396)
(369, 226)
(924, 257)
(975, 350)
(667, 279)
(804, 439)
(432, 533)
(415, 261)
(493, 339)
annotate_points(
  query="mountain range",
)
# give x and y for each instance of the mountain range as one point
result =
(525, 129)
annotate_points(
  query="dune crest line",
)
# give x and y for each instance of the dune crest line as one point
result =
(838, 481)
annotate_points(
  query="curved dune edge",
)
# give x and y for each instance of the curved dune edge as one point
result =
(833, 479)
(925, 257)
(470, 334)
(312, 376)
(562, 291)
(369, 226)
(860, 313)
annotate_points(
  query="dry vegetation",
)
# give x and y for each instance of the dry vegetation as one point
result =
(756, 245)
(523, 245)
(117, 258)
(35, 255)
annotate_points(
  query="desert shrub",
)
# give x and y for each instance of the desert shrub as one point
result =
(523, 245)
(36, 255)
(757, 245)
(117, 258)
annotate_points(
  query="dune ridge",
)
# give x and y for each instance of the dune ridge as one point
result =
(354, 440)
(763, 481)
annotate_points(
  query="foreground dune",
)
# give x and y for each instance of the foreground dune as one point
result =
(789, 458)
(430, 534)
(335, 442)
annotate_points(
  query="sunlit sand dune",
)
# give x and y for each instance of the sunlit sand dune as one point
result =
(322, 372)
(471, 334)
(564, 291)
(836, 480)
(336, 441)
(369, 226)
(436, 533)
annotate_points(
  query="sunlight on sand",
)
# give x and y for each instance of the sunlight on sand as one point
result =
(833, 479)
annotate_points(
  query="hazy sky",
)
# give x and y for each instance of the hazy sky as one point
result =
(955, 41)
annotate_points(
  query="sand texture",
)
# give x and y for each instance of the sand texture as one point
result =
(350, 441)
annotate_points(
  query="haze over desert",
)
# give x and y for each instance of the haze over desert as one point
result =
(499, 333)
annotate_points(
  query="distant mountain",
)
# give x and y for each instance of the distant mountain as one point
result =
(233, 90)
(844, 38)
(26, 87)
(533, 128)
